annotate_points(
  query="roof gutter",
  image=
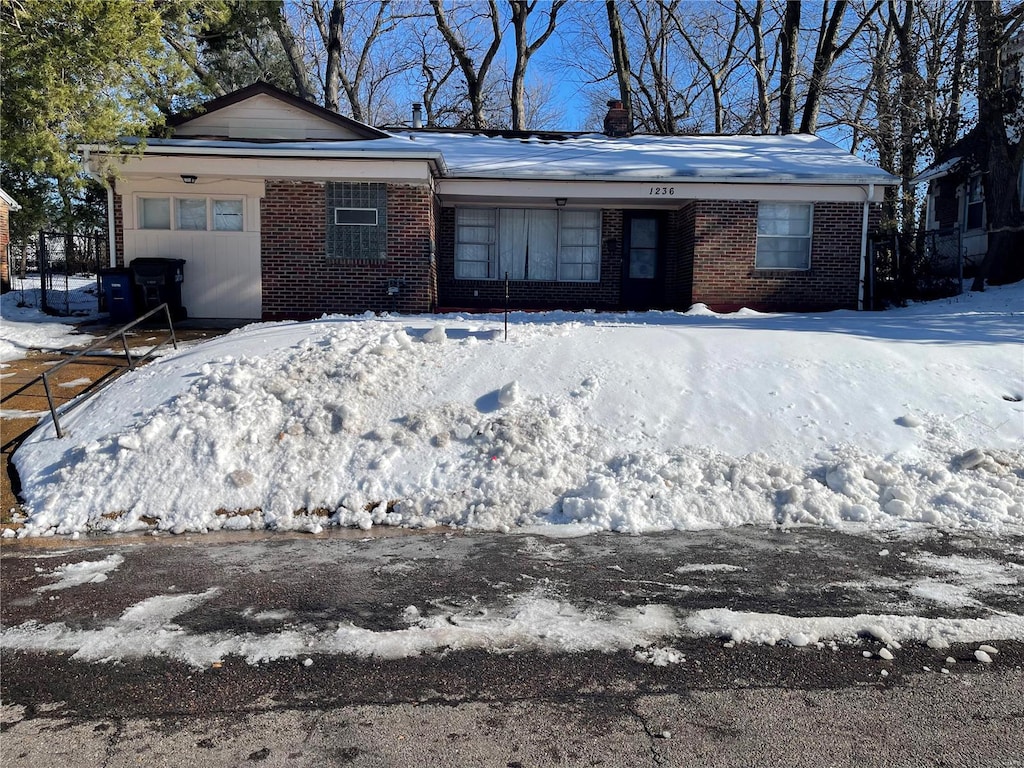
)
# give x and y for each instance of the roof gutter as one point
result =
(870, 193)
(243, 152)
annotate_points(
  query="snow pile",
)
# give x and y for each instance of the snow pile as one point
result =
(26, 327)
(647, 422)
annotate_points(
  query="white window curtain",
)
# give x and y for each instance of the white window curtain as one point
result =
(527, 244)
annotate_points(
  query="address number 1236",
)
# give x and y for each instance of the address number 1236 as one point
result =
(656, 191)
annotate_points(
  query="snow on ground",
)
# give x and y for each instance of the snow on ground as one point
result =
(532, 621)
(25, 326)
(578, 422)
(86, 572)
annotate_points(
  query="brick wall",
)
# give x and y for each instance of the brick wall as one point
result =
(724, 245)
(300, 281)
(119, 228)
(532, 294)
(5, 239)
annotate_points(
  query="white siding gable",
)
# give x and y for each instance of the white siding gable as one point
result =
(263, 117)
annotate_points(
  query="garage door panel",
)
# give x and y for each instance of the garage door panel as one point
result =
(222, 276)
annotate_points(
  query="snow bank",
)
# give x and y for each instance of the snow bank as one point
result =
(646, 422)
(26, 327)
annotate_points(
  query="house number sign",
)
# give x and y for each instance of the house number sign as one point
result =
(658, 191)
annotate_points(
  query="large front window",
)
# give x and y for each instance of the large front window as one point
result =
(783, 236)
(527, 244)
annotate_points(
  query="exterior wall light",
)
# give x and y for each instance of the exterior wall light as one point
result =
(560, 201)
(188, 178)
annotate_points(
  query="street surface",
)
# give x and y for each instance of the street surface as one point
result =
(714, 703)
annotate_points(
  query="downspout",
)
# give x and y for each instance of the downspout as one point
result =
(864, 247)
(111, 229)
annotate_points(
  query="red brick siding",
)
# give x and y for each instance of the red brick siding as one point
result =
(300, 281)
(5, 239)
(532, 294)
(725, 242)
(119, 228)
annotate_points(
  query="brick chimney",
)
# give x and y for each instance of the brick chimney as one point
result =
(616, 122)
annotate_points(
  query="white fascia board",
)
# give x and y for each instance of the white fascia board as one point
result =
(654, 194)
(394, 171)
(431, 159)
(936, 172)
(11, 202)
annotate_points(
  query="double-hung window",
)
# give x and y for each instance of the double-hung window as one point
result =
(527, 244)
(783, 236)
(191, 214)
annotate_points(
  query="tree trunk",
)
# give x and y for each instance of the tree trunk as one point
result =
(475, 76)
(521, 10)
(332, 73)
(620, 58)
(292, 52)
(790, 54)
(1004, 259)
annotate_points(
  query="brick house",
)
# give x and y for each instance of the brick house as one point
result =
(7, 204)
(282, 209)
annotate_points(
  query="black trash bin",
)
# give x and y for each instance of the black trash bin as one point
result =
(158, 282)
(118, 292)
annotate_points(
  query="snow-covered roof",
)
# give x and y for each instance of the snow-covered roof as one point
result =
(792, 159)
(796, 158)
(936, 171)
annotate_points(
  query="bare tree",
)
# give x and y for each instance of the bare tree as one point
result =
(827, 51)
(717, 69)
(521, 10)
(475, 75)
(790, 57)
(620, 57)
(759, 63)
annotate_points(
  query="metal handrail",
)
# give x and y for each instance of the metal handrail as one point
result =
(82, 397)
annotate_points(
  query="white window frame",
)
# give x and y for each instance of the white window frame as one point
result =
(376, 218)
(493, 248)
(762, 237)
(173, 202)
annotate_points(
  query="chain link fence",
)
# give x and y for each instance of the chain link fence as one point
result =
(906, 268)
(58, 272)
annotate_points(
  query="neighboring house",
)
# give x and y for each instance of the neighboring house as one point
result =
(282, 209)
(956, 221)
(7, 204)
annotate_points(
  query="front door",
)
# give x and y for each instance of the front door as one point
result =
(643, 278)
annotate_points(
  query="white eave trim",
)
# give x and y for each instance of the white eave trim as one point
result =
(655, 193)
(937, 172)
(11, 202)
(277, 152)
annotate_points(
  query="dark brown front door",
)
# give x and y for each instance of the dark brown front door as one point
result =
(643, 278)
